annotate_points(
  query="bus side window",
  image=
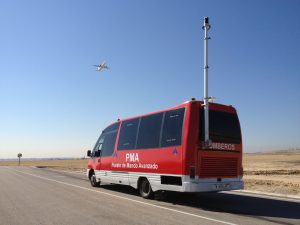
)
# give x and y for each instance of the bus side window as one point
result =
(149, 131)
(106, 141)
(128, 134)
(108, 144)
(95, 152)
(101, 141)
(172, 128)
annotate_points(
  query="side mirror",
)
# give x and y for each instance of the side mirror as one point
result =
(89, 153)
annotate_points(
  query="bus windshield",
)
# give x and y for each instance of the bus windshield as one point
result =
(223, 127)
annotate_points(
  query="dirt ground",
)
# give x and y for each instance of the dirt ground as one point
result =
(72, 164)
(273, 172)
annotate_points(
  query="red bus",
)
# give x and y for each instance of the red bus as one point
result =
(164, 150)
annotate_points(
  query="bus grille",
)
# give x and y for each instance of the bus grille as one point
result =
(218, 167)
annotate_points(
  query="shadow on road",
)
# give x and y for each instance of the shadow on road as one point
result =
(237, 204)
(224, 202)
(220, 202)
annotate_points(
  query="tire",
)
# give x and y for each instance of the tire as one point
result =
(145, 189)
(94, 181)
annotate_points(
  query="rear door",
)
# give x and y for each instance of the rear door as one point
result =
(222, 159)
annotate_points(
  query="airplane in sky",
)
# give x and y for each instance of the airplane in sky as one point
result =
(101, 66)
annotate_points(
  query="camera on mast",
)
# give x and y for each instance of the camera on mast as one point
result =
(206, 23)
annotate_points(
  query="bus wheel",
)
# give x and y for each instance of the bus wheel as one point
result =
(145, 189)
(94, 181)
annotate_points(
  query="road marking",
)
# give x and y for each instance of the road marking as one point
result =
(65, 171)
(258, 194)
(125, 198)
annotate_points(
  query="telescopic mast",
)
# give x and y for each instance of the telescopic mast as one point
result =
(206, 99)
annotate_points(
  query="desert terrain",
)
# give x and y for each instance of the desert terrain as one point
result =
(64, 164)
(272, 172)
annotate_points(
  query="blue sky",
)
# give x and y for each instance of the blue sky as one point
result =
(53, 103)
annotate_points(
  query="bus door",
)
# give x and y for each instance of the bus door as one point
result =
(96, 154)
(106, 145)
(222, 158)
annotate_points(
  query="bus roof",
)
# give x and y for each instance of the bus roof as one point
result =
(212, 106)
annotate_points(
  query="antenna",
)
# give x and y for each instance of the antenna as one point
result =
(207, 141)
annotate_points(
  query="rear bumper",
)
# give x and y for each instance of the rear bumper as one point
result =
(212, 185)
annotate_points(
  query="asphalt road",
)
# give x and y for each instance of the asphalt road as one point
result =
(44, 196)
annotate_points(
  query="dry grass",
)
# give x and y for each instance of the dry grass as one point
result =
(266, 172)
(273, 172)
(75, 164)
(272, 161)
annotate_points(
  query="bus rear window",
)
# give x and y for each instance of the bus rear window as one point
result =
(223, 127)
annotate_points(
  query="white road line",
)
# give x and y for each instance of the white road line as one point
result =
(66, 171)
(128, 199)
(258, 194)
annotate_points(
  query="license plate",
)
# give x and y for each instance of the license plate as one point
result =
(221, 186)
